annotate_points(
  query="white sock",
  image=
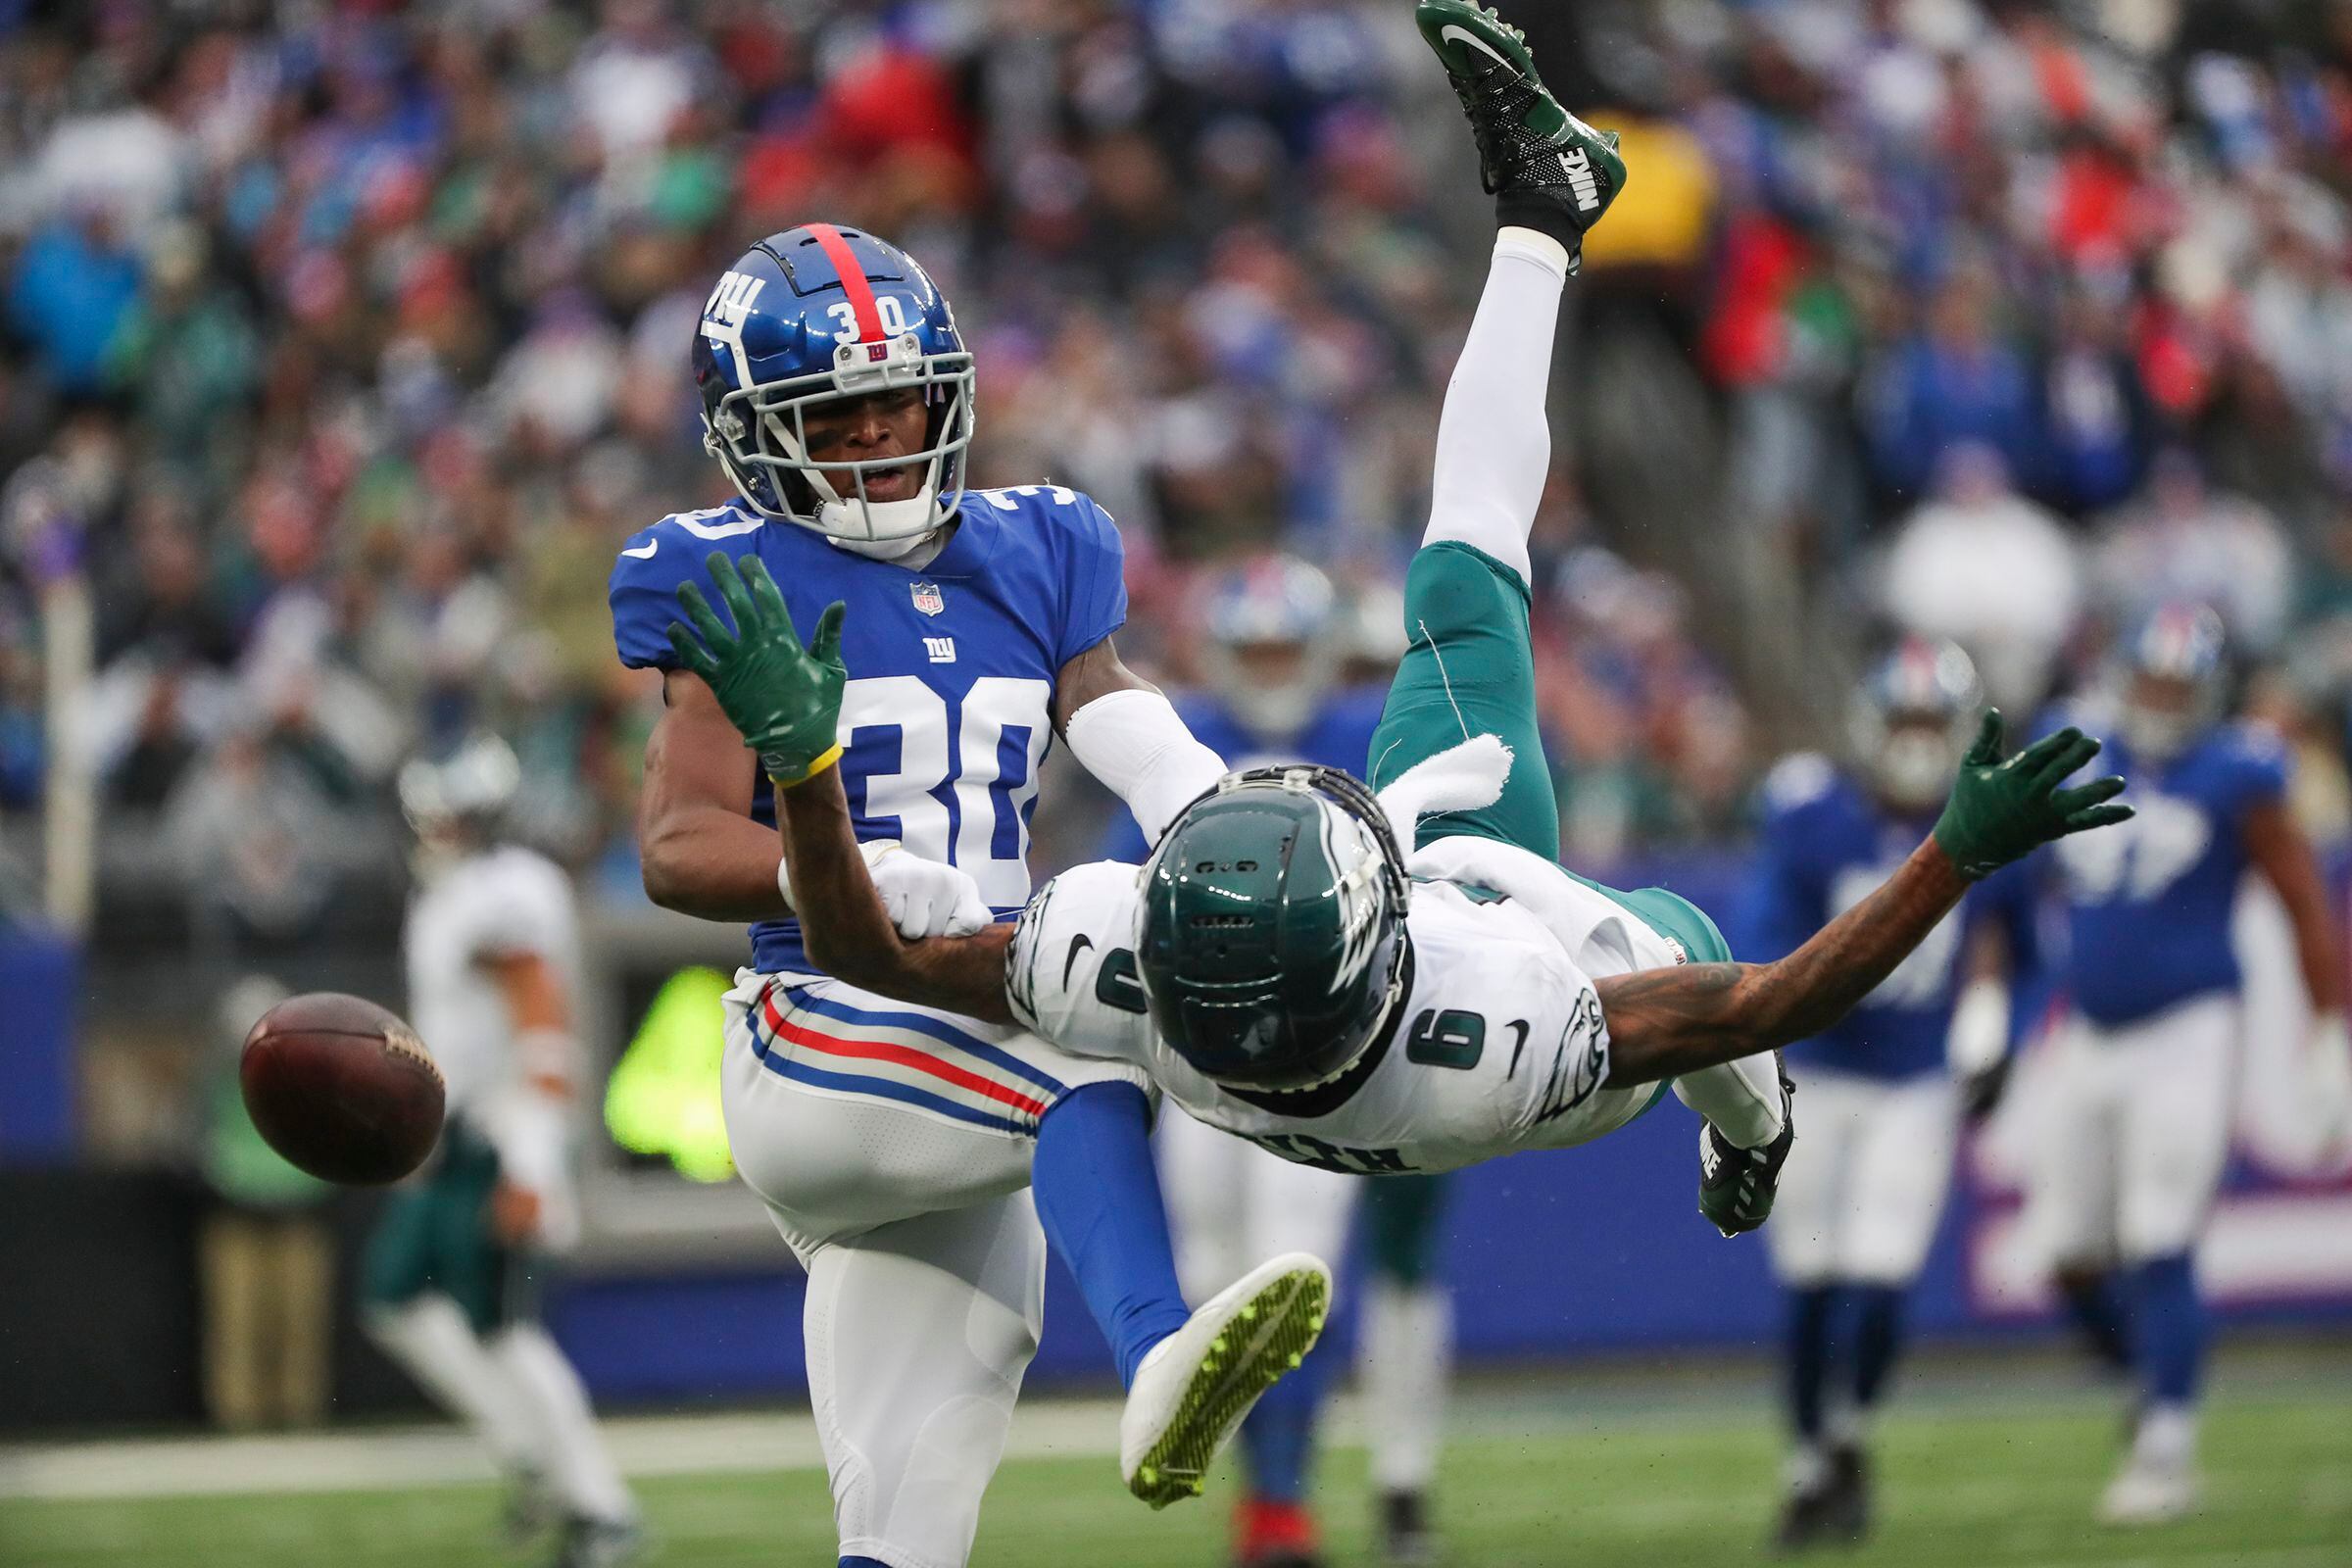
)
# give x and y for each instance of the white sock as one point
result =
(1806, 1467)
(1405, 1354)
(578, 1466)
(2167, 1436)
(1493, 438)
(1741, 1098)
(431, 1340)
(1847, 1426)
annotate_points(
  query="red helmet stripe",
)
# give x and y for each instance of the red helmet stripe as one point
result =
(852, 280)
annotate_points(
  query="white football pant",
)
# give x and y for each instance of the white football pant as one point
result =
(2133, 1135)
(1232, 1205)
(1866, 1178)
(891, 1144)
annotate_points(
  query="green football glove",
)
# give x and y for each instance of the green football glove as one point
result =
(2003, 809)
(784, 699)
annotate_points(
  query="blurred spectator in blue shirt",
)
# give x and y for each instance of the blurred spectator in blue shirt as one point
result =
(1955, 381)
(72, 290)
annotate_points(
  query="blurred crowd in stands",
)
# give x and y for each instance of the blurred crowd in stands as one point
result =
(340, 345)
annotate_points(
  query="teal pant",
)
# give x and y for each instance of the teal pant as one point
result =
(434, 1235)
(1469, 668)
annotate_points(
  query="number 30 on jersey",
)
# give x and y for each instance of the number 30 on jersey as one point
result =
(967, 803)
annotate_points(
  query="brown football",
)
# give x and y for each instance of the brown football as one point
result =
(342, 1088)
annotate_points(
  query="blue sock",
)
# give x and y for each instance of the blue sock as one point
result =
(2095, 1305)
(1807, 1349)
(1877, 1338)
(1097, 1196)
(2169, 1345)
(1279, 1435)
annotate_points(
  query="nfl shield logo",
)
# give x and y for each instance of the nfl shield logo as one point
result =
(927, 598)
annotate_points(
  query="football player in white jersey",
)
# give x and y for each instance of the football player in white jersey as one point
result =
(1281, 967)
(449, 1281)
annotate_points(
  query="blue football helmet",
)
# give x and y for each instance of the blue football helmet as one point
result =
(1915, 717)
(1275, 642)
(2175, 672)
(820, 313)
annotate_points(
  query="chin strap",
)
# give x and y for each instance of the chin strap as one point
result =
(835, 518)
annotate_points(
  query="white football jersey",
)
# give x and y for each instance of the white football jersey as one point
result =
(505, 900)
(1499, 1043)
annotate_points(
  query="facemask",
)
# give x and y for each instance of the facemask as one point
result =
(1914, 769)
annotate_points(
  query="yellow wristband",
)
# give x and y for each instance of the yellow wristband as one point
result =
(832, 754)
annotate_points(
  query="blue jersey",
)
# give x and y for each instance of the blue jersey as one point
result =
(1340, 735)
(2148, 902)
(948, 712)
(1826, 845)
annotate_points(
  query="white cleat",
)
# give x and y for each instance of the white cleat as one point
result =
(2148, 1493)
(1197, 1384)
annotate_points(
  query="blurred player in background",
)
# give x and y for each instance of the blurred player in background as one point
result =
(2139, 1088)
(1279, 642)
(1865, 1185)
(1405, 1328)
(451, 1275)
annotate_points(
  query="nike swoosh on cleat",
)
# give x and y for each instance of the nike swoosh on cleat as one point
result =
(1450, 31)
(644, 554)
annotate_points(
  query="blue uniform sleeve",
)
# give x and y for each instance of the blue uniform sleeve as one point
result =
(1094, 581)
(2260, 767)
(643, 593)
(1785, 897)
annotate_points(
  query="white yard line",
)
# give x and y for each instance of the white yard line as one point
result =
(389, 1459)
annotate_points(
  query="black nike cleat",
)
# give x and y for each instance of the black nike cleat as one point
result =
(1547, 170)
(1736, 1186)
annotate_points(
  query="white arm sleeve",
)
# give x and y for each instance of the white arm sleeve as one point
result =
(1137, 745)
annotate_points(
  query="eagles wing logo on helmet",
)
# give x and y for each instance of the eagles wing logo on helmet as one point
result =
(1359, 860)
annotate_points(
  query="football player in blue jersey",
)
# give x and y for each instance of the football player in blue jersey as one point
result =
(2137, 1122)
(895, 1146)
(1863, 1189)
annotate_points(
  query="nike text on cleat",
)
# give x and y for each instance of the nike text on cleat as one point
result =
(1196, 1385)
(1581, 182)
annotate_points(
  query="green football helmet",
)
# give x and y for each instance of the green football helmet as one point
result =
(1273, 946)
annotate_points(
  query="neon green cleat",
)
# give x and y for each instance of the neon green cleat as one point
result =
(1193, 1389)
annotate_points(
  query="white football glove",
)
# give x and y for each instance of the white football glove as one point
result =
(924, 897)
(531, 1133)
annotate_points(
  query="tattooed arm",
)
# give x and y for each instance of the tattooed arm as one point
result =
(1665, 1023)
(848, 934)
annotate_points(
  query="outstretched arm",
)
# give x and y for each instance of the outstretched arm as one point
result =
(1663, 1022)
(851, 939)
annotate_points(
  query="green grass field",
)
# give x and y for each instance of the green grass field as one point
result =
(1966, 1480)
